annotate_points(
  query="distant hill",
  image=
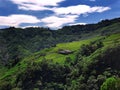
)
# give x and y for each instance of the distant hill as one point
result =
(31, 58)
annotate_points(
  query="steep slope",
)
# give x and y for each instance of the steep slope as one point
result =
(48, 67)
(19, 43)
(94, 56)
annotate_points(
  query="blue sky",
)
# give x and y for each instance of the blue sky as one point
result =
(56, 13)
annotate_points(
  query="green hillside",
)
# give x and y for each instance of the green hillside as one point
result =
(17, 43)
(88, 62)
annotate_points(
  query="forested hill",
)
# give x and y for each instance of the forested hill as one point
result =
(16, 43)
(78, 29)
(79, 57)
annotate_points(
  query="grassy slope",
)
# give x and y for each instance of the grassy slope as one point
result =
(51, 54)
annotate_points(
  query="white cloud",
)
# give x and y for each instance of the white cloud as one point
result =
(78, 24)
(30, 26)
(16, 20)
(36, 4)
(98, 9)
(57, 22)
(79, 9)
(40, 5)
(70, 14)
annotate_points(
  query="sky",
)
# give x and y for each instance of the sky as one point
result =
(56, 13)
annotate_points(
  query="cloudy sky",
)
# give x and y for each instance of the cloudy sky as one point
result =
(56, 13)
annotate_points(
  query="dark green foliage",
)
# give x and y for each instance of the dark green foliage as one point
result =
(86, 50)
(4, 56)
(45, 73)
(5, 85)
(111, 83)
(94, 62)
(68, 60)
(95, 73)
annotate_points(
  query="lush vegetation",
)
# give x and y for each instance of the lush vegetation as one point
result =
(111, 83)
(30, 58)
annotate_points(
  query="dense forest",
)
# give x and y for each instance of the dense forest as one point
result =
(79, 57)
